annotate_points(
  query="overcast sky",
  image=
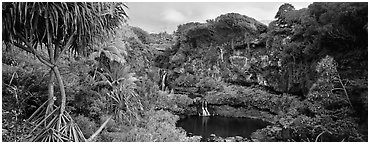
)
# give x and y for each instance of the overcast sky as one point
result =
(156, 17)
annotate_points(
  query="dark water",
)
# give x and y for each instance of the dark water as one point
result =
(220, 126)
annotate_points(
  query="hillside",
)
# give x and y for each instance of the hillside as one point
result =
(76, 72)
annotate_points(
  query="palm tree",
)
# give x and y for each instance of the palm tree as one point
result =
(48, 30)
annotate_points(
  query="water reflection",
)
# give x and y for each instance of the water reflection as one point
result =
(221, 126)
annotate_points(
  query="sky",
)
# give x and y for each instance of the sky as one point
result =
(155, 17)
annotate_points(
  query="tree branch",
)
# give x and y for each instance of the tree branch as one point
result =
(317, 138)
(99, 130)
(30, 50)
(68, 44)
(33, 51)
(336, 89)
(345, 90)
(57, 49)
(23, 47)
(49, 43)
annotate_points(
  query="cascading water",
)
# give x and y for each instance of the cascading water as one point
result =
(205, 111)
(163, 83)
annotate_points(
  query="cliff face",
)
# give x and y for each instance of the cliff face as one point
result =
(242, 68)
(239, 50)
(220, 48)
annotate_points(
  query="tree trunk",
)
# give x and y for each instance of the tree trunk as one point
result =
(52, 61)
(51, 92)
(62, 92)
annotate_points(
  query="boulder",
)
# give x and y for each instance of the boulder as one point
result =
(238, 138)
(229, 139)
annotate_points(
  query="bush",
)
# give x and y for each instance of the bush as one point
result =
(24, 83)
(149, 95)
(187, 80)
(87, 126)
(323, 116)
(158, 126)
(24, 89)
(176, 103)
(209, 84)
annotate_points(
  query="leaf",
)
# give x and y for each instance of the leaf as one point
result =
(104, 82)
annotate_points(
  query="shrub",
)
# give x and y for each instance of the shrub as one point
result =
(176, 103)
(148, 91)
(24, 84)
(87, 126)
(209, 84)
(187, 80)
(159, 126)
(24, 89)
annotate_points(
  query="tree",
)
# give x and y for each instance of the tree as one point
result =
(302, 37)
(343, 28)
(283, 9)
(142, 35)
(49, 30)
(235, 27)
(293, 38)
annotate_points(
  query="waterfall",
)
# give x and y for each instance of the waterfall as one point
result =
(163, 84)
(205, 111)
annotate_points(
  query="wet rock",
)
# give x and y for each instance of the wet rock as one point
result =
(230, 139)
(190, 134)
(238, 138)
(247, 140)
(212, 138)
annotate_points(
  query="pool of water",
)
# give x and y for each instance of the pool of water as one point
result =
(220, 126)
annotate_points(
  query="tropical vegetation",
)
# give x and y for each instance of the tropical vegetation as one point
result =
(76, 71)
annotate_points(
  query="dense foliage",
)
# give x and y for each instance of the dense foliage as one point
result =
(284, 57)
(305, 73)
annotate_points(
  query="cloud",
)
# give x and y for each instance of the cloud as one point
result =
(166, 16)
(173, 16)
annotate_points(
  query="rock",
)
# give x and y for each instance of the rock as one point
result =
(5, 131)
(220, 139)
(247, 140)
(238, 138)
(212, 138)
(230, 139)
(259, 136)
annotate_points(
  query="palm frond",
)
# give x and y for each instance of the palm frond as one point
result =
(125, 100)
(82, 22)
(115, 50)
